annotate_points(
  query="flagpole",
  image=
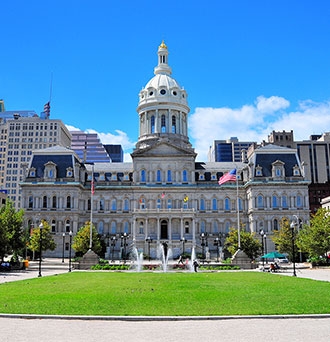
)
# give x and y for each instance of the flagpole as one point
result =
(237, 205)
(91, 218)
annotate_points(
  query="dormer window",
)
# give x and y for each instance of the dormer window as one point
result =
(296, 170)
(69, 172)
(258, 171)
(278, 170)
(32, 172)
(50, 170)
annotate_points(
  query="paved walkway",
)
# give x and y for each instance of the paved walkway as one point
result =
(243, 329)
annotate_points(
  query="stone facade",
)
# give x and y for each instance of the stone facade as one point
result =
(164, 194)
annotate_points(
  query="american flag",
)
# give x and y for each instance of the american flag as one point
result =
(47, 108)
(92, 187)
(230, 176)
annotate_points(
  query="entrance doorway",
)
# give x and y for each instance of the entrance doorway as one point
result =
(163, 230)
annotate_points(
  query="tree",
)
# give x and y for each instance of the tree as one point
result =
(250, 245)
(283, 238)
(315, 237)
(81, 241)
(11, 230)
(47, 240)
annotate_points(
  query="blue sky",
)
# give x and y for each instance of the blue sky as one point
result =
(248, 66)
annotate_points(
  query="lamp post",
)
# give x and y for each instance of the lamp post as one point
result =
(203, 237)
(113, 245)
(124, 238)
(70, 235)
(41, 226)
(63, 241)
(149, 240)
(262, 233)
(293, 225)
(217, 243)
(183, 240)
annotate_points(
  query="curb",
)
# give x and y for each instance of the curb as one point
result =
(162, 318)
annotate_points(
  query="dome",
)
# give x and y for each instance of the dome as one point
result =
(162, 81)
(162, 87)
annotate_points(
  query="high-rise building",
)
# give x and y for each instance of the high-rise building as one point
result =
(21, 133)
(230, 150)
(88, 147)
(115, 152)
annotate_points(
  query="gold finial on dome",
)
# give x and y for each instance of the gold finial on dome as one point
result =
(163, 45)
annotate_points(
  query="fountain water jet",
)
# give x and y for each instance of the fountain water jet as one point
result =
(164, 254)
(138, 258)
(193, 258)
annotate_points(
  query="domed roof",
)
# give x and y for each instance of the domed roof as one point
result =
(162, 87)
(162, 81)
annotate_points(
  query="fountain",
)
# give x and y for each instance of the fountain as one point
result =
(164, 254)
(138, 258)
(192, 259)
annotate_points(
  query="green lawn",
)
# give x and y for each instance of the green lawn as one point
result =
(163, 294)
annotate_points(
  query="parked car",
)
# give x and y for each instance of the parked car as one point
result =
(281, 260)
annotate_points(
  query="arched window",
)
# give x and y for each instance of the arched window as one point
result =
(143, 176)
(126, 204)
(89, 204)
(186, 227)
(54, 202)
(173, 124)
(202, 230)
(44, 202)
(240, 204)
(158, 176)
(152, 122)
(101, 204)
(215, 227)
(159, 203)
(163, 124)
(227, 227)
(142, 203)
(100, 228)
(299, 201)
(214, 204)
(169, 176)
(30, 202)
(169, 204)
(126, 227)
(67, 226)
(202, 204)
(274, 201)
(184, 176)
(284, 201)
(68, 202)
(113, 227)
(113, 204)
(141, 228)
(53, 225)
(227, 203)
(275, 225)
(260, 202)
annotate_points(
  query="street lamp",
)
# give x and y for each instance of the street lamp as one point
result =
(41, 226)
(124, 238)
(70, 234)
(217, 243)
(262, 234)
(203, 237)
(183, 240)
(63, 241)
(149, 240)
(293, 225)
(113, 245)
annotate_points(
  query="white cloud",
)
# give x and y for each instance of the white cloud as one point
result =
(249, 123)
(271, 104)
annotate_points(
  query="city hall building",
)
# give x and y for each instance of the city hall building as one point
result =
(164, 195)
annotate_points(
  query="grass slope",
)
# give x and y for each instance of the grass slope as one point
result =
(164, 294)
